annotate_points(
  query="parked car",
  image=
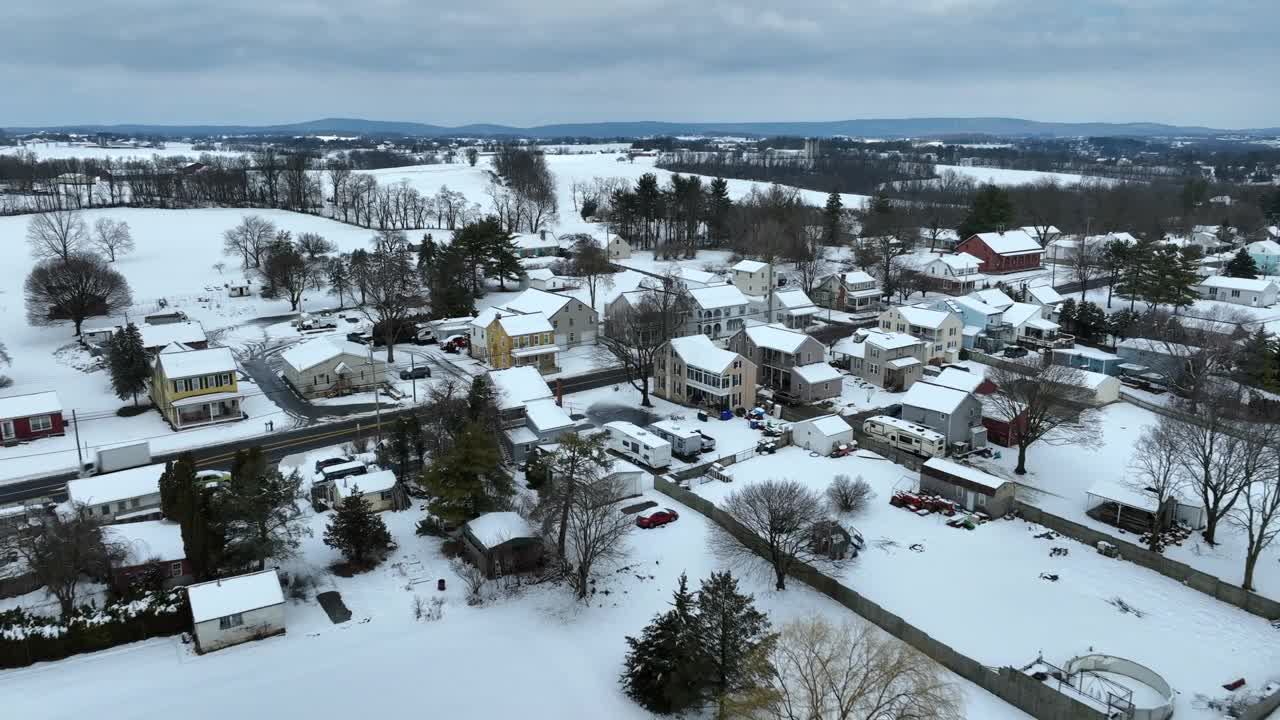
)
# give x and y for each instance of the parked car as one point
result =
(358, 337)
(458, 341)
(329, 462)
(1015, 351)
(426, 336)
(657, 519)
(766, 447)
(417, 373)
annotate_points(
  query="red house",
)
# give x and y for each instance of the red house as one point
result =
(31, 416)
(151, 549)
(1003, 252)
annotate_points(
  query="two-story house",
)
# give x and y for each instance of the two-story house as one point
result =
(1003, 252)
(1266, 255)
(520, 340)
(984, 325)
(955, 413)
(942, 330)
(793, 309)
(196, 387)
(778, 352)
(1031, 326)
(954, 274)
(717, 310)
(854, 292)
(890, 360)
(693, 371)
(575, 323)
(753, 277)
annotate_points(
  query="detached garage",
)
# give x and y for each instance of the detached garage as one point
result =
(822, 434)
(972, 488)
(237, 609)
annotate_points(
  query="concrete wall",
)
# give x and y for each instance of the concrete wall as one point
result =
(1183, 573)
(1014, 687)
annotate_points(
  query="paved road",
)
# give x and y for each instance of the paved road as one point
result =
(262, 363)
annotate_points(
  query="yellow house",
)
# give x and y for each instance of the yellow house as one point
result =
(196, 387)
(520, 340)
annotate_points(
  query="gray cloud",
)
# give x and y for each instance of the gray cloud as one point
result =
(517, 62)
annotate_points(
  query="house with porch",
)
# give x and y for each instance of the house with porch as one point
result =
(942, 330)
(890, 360)
(717, 310)
(522, 340)
(693, 371)
(793, 309)
(574, 322)
(514, 389)
(995, 297)
(753, 277)
(1003, 252)
(955, 273)
(327, 367)
(30, 417)
(776, 352)
(984, 325)
(854, 292)
(544, 422)
(1031, 327)
(196, 387)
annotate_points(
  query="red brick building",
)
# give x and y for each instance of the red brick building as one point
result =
(31, 416)
(1003, 252)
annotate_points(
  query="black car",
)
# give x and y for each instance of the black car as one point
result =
(329, 462)
(1015, 351)
(417, 373)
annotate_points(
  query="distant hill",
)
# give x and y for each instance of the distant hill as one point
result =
(877, 128)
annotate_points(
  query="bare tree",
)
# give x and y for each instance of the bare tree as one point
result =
(634, 330)
(597, 531)
(590, 262)
(5, 361)
(782, 515)
(581, 461)
(1257, 513)
(473, 579)
(1212, 457)
(56, 234)
(250, 239)
(79, 287)
(1038, 402)
(1156, 472)
(855, 672)
(1088, 263)
(393, 288)
(112, 237)
(313, 245)
(62, 550)
(849, 496)
(809, 256)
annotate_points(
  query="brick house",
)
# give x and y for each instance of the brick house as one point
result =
(1003, 252)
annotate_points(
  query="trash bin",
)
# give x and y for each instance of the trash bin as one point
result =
(726, 414)
(702, 415)
(440, 585)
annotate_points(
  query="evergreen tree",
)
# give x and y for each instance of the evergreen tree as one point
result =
(1241, 265)
(259, 510)
(1120, 324)
(1067, 313)
(128, 362)
(831, 219)
(503, 260)
(468, 480)
(338, 275)
(734, 639)
(1091, 321)
(1256, 362)
(1115, 257)
(480, 400)
(1135, 274)
(991, 210)
(427, 252)
(450, 294)
(1184, 277)
(402, 444)
(186, 501)
(719, 207)
(661, 670)
(356, 530)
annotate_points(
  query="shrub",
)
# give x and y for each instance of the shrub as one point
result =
(849, 496)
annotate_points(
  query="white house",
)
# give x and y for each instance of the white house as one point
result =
(955, 273)
(1029, 323)
(378, 489)
(691, 278)
(540, 244)
(544, 279)
(236, 609)
(125, 495)
(1266, 255)
(718, 310)
(793, 308)
(326, 367)
(618, 248)
(1240, 291)
(942, 330)
(753, 277)
(994, 297)
(1045, 296)
(821, 434)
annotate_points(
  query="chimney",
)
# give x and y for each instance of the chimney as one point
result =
(542, 234)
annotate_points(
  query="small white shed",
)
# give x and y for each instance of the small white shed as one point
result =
(821, 434)
(236, 609)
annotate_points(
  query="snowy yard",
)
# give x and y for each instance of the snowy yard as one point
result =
(999, 611)
(1005, 176)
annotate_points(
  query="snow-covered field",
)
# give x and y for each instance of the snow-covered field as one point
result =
(980, 591)
(64, 150)
(536, 654)
(1005, 176)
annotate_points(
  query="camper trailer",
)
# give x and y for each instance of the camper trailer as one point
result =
(908, 436)
(686, 442)
(638, 444)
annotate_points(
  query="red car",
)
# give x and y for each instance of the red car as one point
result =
(658, 519)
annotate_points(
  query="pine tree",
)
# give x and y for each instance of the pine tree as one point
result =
(504, 260)
(356, 530)
(831, 219)
(1134, 275)
(128, 363)
(1184, 277)
(450, 294)
(734, 637)
(1091, 321)
(1241, 265)
(1115, 257)
(480, 399)
(1256, 362)
(661, 669)
(259, 510)
(186, 501)
(719, 206)
(468, 479)
(991, 210)
(1067, 313)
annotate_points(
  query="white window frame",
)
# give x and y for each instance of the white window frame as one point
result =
(227, 622)
(40, 423)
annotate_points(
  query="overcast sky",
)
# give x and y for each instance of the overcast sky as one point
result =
(523, 62)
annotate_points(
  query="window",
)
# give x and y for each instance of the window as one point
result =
(121, 506)
(385, 495)
(175, 569)
(226, 622)
(1235, 293)
(555, 324)
(40, 423)
(105, 509)
(135, 503)
(570, 322)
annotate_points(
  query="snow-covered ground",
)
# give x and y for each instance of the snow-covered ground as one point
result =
(64, 150)
(535, 654)
(999, 611)
(1005, 176)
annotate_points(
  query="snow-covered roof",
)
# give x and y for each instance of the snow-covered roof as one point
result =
(635, 432)
(209, 398)
(903, 362)
(923, 317)
(891, 340)
(1159, 347)
(534, 350)
(534, 241)
(546, 414)
(1045, 295)
(1093, 380)
(114, 487)
(1034, 231)
(146, 541)
(849, 346)
(39, 403)
(309, 354)
(540, 274)
(197, 362)
(239, 594)
(855, 277)
(829, 425)
(675, 428)
(776, 337)
(959, 261)
(1018, 314)
(1011, 242)
(1235, 283)
(1085, 351)
(1123, 494)
(967, 472)
(701, 277)
(1265, 247)
(700, 352)
(534, 300)
(993, 297)
(515, 325)
(373, 482)
(155, 336)
(974, 304)
(493, 529)
(517, 386)
(1041, 324)
(750, 266)
(485, 317)
(816, 373)
(956, 379)
(718, 296)
(792, 299)
(937, 398)
(521, 435)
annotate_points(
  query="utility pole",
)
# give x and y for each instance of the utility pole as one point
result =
(79, 455)
(414, 377)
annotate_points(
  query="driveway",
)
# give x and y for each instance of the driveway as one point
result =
(261, 362)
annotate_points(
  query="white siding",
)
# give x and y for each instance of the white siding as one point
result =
(258, 623)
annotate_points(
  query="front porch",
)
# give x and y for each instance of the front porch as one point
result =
(542, 357)
(204, 410)
(1046, 339)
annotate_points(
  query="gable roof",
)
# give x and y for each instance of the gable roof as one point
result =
(1265, 247)
(196, 362)
(1010, 242)
(700, 352)
(956, 380)
(816, 372)
(493, 529)
(854, 277)
(1034, 231)
(113, 487)
(891, 340)
(923, 317)
(750, 266)
(534, 300)
(524, 324)
(972, 303)
(154, 336)
(540, 274)
(228, 596)
(518, 385)
(1235, 283)
(530, 241)
(1045, 295)
(829, 425)
(776, 337)
(959, 261)
(145, 541)
(1019, 314)
(993, 297)
(688, 274)
(314, 352)
(966, 472)
(718, 296)
(39, 403)
(792, 299)
(937, 398)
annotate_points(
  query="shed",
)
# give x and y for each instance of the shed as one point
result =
(972, 488)
(237, 609)
(378, 488)
(630, 479)
(502, 542)
(1125, 507)
(822, 434)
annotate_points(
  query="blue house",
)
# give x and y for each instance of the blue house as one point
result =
(980, 319)
(1266, 254)
(1087, 358)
